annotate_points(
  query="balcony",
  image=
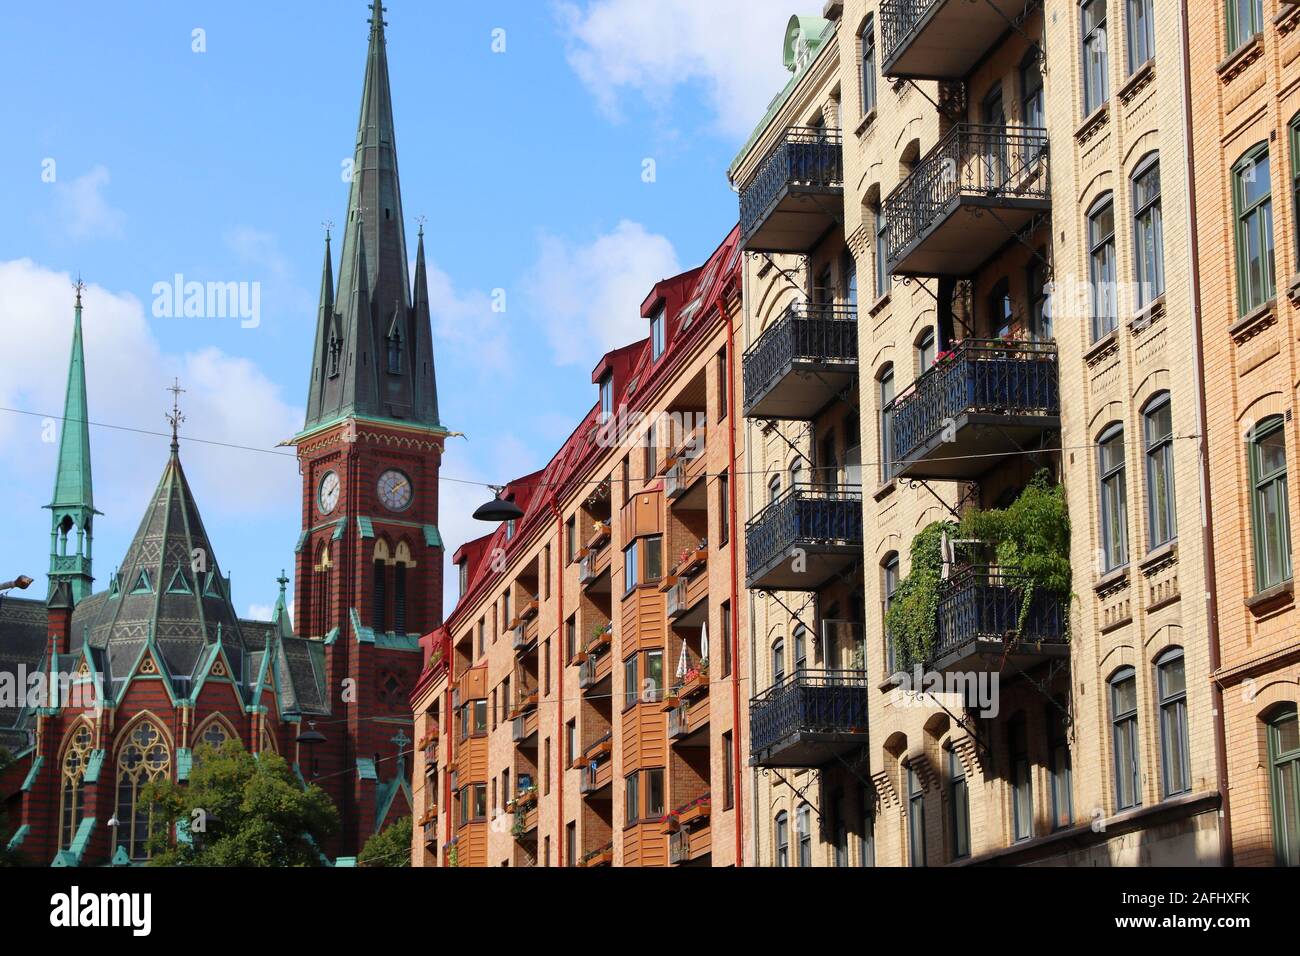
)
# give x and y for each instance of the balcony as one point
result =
(966, 199)
(797, 195)
(809, 718)
(804, 538)
(604, 856)
(595, 780)
(593, 570)
(987, 401)
(523, 729)
(978, 626)
(801, 362)
(942, 39)
(687, 722)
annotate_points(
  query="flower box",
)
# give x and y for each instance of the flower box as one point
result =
(671, 700)
(696, 812)
(695, 682)
(691, 562)
(529, 610)
(670, 823)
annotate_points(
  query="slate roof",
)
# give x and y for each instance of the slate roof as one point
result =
(23, 630)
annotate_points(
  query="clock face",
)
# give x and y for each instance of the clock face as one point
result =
(327, 498)
(394, 490)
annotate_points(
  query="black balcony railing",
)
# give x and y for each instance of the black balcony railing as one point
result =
(982, 606)
(980, 376)
(815, 518)
(944, 39)
(808, 717)
(810, 336)
(991, 165)
(807, 158)
(898, 22)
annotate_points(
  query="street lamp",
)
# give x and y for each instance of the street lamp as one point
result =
(310, 738)
(22, 583)
(498, 509)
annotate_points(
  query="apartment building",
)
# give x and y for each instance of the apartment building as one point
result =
(1244, 81)
(803, 495)
(582, 705)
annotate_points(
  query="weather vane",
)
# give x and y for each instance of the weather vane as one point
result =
(80, 287)
(329, 226)
(175, 418)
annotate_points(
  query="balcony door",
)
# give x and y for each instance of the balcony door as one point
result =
(993, 114)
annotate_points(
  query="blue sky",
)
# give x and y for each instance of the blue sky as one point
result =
(131, 157)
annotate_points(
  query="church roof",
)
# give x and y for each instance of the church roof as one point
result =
(72, 483)
(23, 630)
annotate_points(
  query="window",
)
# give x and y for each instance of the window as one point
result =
(803, 829)
(1253, 205)
(778, 661)
(885, 387)
(378, 599)
(868, 40)
(73, 792)
(728, 772)
(607, 396)
(399, 597)
(882, 274)
(657, 334)
(889, 585)
(631, 689)
(1058, 767)
(654, 675)
(867, 838)
(1096, 83)
(1171, 684)
(1032, 112)
(654, 557)
(1141, 33)
(1245, 20)
(1040, 299)
(571, 843)
(925, 352)
(654, 794)
(782, 839)
(1270, 512)
(1002, 311)
(630, 565)
(570, 637)
(1101, 267)
(840, 830)
(726, 639)
(1022, 787)
(849, 267)
(1114, 514)
(463, 572)
(915, 819)
(796, 473)
(1148, 234)
(571, 535)
(958, 806)
(773, 488)
(823, 289)
(1284, 771)
(394, 340)
(142, 758)
(1294, 136)
(800, 647)
(724, 509)
(723, 384)
(1158, 426)
(546, 573)
(479, 709)
(1124, 738)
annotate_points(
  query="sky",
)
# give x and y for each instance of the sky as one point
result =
(565, 155)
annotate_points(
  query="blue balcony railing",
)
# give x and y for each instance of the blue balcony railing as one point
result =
(805, 335)
(825, 705)
(981, 605)
(804, 516)
(807, 158)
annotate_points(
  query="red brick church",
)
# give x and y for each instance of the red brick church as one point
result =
(157, 660)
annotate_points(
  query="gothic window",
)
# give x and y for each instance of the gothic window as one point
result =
(268, 745)
(73, 792)
(215, 733)
(143, 757)
(321, 588)
(179, 585)
(143, 583)
(395, 351)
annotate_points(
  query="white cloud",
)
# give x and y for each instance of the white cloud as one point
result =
(732, 48)
(84, 211)
(590, 295)
(259, 612)
(466, 323)
(227, 399)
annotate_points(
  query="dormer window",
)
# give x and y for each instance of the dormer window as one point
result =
(607, 396)
(658, 337)
(395, 352)
(464, 577)
(510, 529)
(336, 349)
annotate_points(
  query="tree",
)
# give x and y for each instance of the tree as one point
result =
(238, 810)
(390, 847)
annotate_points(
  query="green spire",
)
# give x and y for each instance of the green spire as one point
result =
(73, 506)
(280, 617)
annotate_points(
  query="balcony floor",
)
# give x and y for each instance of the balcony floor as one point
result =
(951, 37)
(985, 655)
(808, 749)
(823, 563)
(803, 389)
(966, 233)
(982, 439)
(796, 219)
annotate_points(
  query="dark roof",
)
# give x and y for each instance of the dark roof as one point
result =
(23, 639)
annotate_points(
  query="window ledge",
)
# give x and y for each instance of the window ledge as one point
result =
(1240, 58)
(1293, 290)
(1157, 558)
(1139, 81)
(867, 122)
(1111, 581)
(879, 305)
(1092, 124)
(1149, 315)
(1254, 322)
(1103, 347)
(885, 489)
(1272, 598)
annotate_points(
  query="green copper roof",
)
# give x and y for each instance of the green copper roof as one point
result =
(72, 485)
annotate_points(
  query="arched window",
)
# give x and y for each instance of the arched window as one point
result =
(796, 473)
(1284, 773)
(72, 793)
(773, 488)
(925, 351)
(915, 818)
(1022, 787)
(214, 734)
(778, 660)
(1148, 232)
(268, 745)
(1171, 685)
(800, 647)
(888, 585)
(1124, 738)
(1113, 498)
(782, 840)
(1158, 438)
(885, 395)
(1252, 203)
(142, 757)
(1101, 266)
(321, 590)
(379, 587)
(1270, 511)
(958, 804)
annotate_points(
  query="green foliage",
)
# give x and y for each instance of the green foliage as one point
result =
(240, 810)
(912, 616)
(390, 847)
(1028, 541)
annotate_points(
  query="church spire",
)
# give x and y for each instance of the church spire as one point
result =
(363, 382)
(73, 506)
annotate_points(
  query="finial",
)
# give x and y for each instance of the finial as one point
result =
(175, 418)
(377, 21)
(282, 581)
(421, 220)
(80, 287)
(329, 225)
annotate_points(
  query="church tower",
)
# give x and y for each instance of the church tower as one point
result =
(72, 509)
(369, 558)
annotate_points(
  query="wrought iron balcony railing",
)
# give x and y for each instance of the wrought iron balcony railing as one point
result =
(999, 171)
(808, 718)
(804, 537)
(984, 399)
(796, 193)
(801, 361)
(942, 39)
(979, 614)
